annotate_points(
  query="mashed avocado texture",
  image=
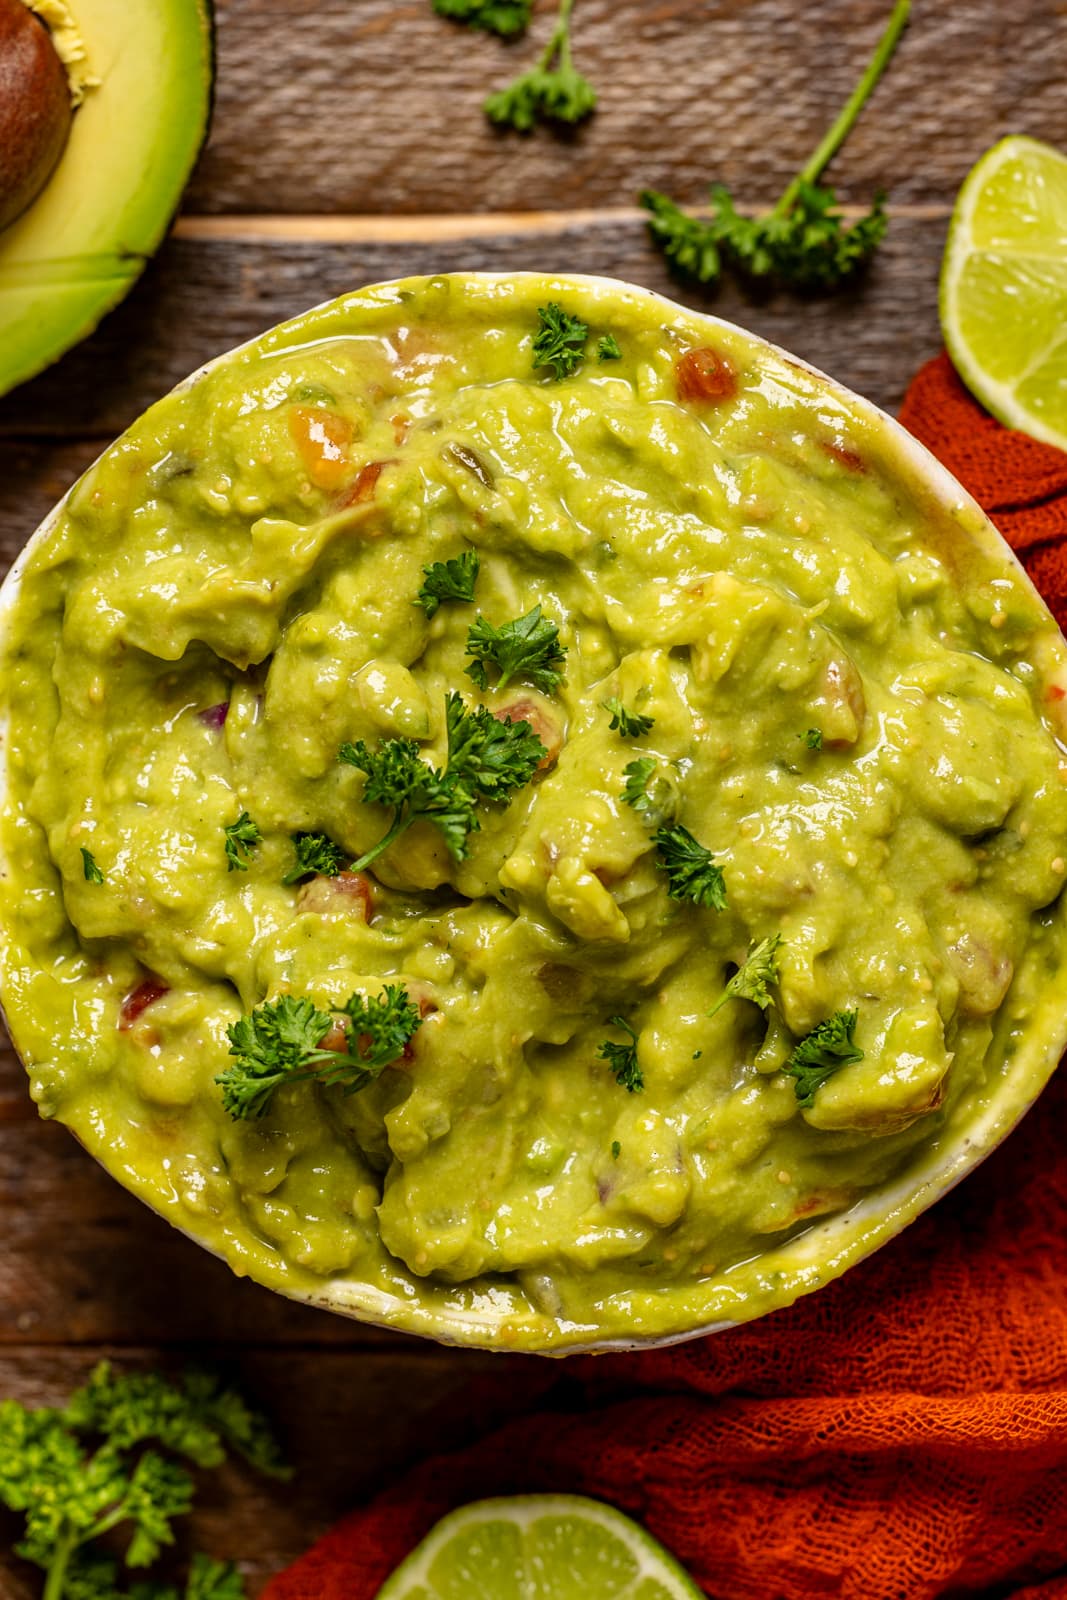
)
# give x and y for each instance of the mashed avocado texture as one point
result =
(761, 925)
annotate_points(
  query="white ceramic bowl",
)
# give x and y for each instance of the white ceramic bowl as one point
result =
(833, 1243)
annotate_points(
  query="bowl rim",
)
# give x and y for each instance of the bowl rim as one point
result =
(831, 1244)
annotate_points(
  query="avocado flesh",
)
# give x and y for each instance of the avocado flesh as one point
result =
(133, 143)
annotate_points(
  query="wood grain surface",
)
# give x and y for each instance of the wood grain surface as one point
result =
(348, 146)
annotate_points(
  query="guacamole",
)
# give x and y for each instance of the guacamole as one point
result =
(655, 790)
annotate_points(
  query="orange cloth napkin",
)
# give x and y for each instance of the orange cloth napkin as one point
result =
(900, 1435)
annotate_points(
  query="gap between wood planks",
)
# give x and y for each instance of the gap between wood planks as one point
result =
(319, 228)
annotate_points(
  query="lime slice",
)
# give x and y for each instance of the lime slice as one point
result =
(539, 1547)
(1004, 286)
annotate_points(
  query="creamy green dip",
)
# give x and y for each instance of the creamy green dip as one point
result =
(856, 704)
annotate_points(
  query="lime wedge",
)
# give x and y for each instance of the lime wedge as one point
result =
(539, 1547)
(1004, 286)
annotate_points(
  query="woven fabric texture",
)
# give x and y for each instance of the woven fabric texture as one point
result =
(901, 1435)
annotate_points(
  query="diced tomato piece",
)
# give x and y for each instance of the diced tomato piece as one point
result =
(323, 438)
(546, 728)
(364, 484)
(844, 455)
(349, 894)
(705, 375)
(139, 999)
(401, 427)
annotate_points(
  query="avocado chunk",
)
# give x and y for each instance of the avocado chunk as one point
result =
(74, 251)
(34, 108)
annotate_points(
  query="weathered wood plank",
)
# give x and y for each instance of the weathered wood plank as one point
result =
(326, 105)
(204, 295)
(350, 1420)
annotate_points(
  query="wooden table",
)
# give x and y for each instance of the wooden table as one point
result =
(348, 146)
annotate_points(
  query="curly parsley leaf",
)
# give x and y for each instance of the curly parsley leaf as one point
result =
(90, 869)
(608, 348)
(77, 1473)
(553, 89)
(449, 580)
(628, 723)
(213, 1580)
(529, 647)
(560, 341)
(316, 856)
(821, 1053)
(241, 837)
(508, 18)
(280, 1041)
(813, 738)
(488, 759)
(622, 1058)
(638, 773)
(691, 872)
(750, 981)
(803, 240)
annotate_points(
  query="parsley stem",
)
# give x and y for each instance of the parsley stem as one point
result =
(399, 824)
(835, 137)
(56, 1579)
(560, 40)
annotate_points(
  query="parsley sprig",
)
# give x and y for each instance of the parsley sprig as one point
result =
(637, 774)
(316, 855)
(79, 1472)
(629, 723)
(280, 1041)
(560, 341)
(622, 1058)
(449, 580)
(487, 760)
(691, 872)
(508, 18)
(241, 838)
(821, 1053)
(750, 981)
(553, 89)
(529, 647)
(803, 240)
(91, 871)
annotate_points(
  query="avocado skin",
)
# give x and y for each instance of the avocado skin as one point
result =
(40, 323)
(35, 109)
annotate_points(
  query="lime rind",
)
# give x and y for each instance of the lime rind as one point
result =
(1003, 294)
(539, 1547)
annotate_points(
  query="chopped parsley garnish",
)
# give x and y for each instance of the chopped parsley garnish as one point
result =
(449, 580)
(98, 1463)
(508, 18)
(90, 869)
(608, 348)
(638, 774)
(560, 341)
(616, 1149)
(280, 1042)
(813, 738)
(628, 723)
(622, 1058)
(487, 760)
(529, 647)
(821, 1053)
(691, 872)
(316, 855)
(552, 89)
(803, 240)
(242, 838)
(750, 981)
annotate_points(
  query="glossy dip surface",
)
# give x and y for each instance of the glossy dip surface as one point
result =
(848, 693)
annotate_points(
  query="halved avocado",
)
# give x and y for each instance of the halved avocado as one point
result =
(133, 141)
